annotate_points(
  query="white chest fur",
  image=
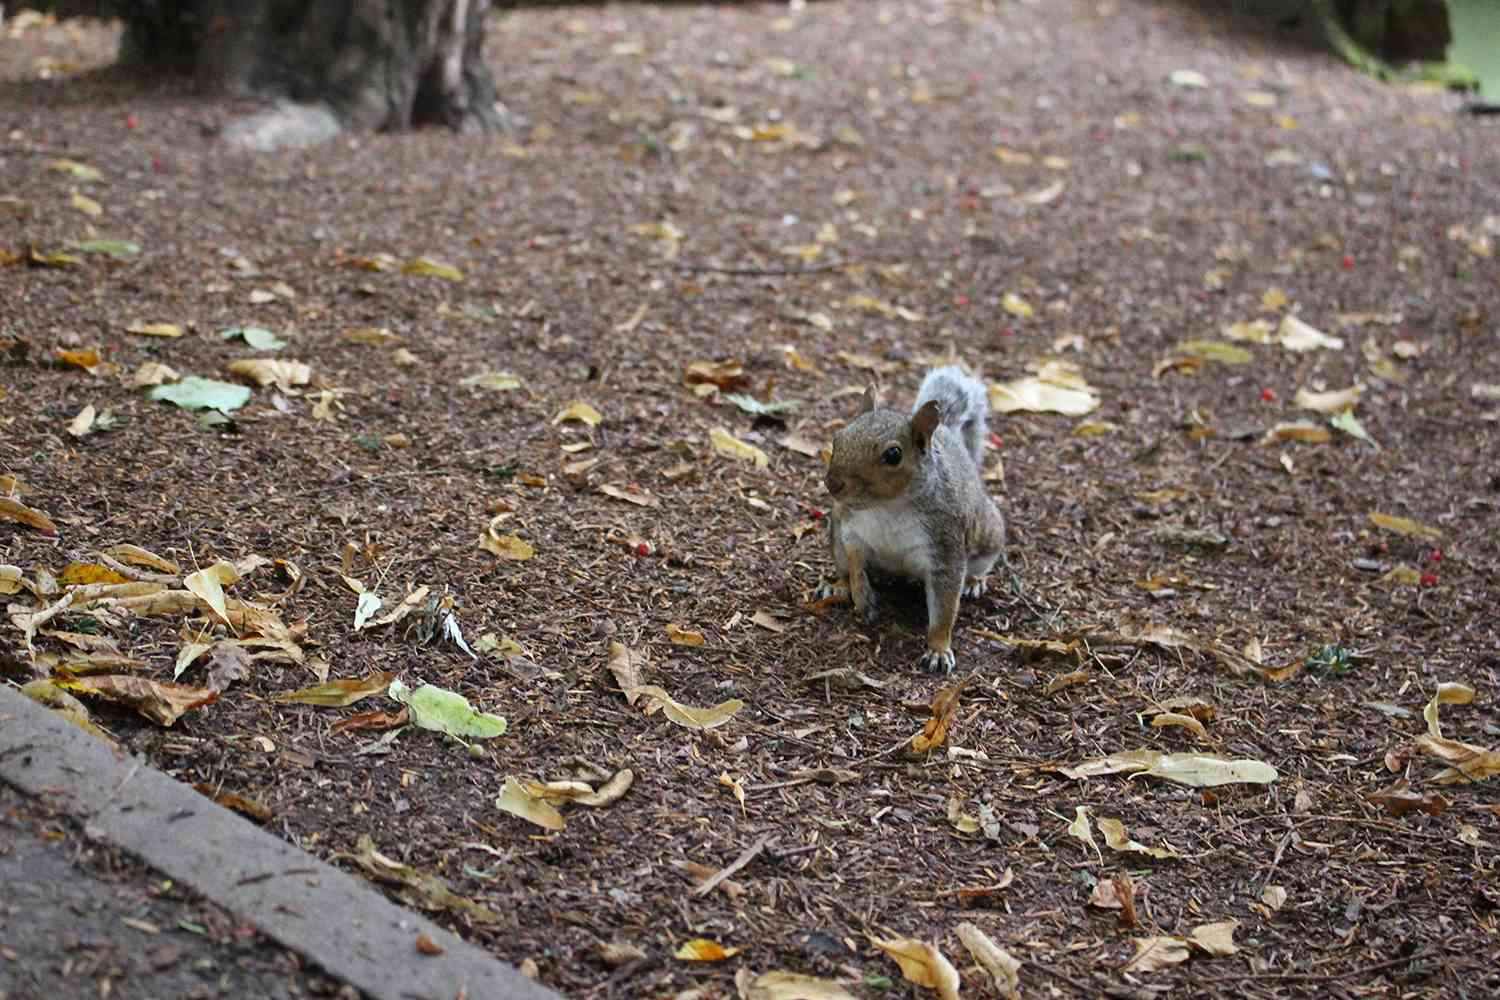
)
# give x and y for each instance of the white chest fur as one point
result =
(892, 538)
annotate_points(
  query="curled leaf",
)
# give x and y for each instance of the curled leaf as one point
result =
(688, 716)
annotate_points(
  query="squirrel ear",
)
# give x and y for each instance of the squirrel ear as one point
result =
(869, 400)
(924, 422)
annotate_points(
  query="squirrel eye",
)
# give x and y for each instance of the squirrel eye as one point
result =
(892, 456)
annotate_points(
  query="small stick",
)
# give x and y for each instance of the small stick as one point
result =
(709, 884)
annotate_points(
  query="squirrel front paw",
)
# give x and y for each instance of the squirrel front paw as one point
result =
(937, 661)
(834, 589)
(975, 586)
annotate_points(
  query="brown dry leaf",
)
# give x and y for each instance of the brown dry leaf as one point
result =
(1470, 762)
(1399, 800)
(153, 373)
(688, 716)
(89, 360)
(376, 336)
(1300, 431)
(634, 495)
(246, 807)
(272, 371)
(684, 636)
(375, 720)
(1118, 840)
(769, 621)
(160, 702)
(15, 510)
(518, 800)
(923, 964)
(12, 579)
(1196, 707)
(1274, 896)
(1004, 969)
(866, 362)
(723, 375)
(704, 950)
(1404, 526)
(1153, 954)
(726, 444)
(416, 888)
(411, 602)
(787, 986)
(338, 693)
(801, 445)
(626, 665)
(935, 731)
(169, 330)
(1164, 719)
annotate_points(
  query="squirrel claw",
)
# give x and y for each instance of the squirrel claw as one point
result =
(975, 586)
(938, 661)
(837, 589)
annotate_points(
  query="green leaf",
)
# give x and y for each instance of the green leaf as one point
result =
(446, 712)
(752, 405)
(118, 249)
(1216, 350)
(1347, 422)
(499, 381)
(257, 337)
(195, 393)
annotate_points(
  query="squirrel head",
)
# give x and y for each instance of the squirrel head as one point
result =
(878, 453)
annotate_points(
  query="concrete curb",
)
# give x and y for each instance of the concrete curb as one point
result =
(334, 919)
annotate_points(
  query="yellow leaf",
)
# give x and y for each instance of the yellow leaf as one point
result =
(1156, 953)
(83, 422)
(515, 799)
(636, 496)
(1216, 938)
(1016, 306)
(427, 267)
(1447, 693)
(153, 373)
(377, 336)
(704, 950)
(155, 329)
(1260, 98)
(1301, 431)
(729, 446)
(137, 556)
(338, 693)
(1404, 526)
(1033, 394)
(1013, 157)
(87, 205)
(688, 716)
(1003, 968)
(508, 547)
(922, 964)
(580, 411)
(205, 585)
(82, 171)
(76, 573)
(683, 636)
(1118, 840)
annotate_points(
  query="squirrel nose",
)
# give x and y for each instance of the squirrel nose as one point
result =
(834, 483)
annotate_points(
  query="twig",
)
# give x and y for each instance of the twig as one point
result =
(712, 882)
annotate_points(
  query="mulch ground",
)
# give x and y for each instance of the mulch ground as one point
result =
(810, 192)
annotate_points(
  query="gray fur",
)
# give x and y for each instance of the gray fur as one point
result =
(965, 404)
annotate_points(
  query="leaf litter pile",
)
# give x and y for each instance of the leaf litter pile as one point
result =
(453, 506)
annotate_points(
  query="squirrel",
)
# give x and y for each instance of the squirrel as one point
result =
(908, 500)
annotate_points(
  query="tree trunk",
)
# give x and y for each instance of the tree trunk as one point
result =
(375, 64)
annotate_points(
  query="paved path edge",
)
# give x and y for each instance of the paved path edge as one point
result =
(336, 920)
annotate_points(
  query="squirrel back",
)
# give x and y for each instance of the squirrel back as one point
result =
(964, 403)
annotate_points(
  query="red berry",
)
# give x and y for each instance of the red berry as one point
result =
(1007, 331)
(1437, 555)
(996, 441)
(815, 513)
(960, 300)
(131, 121)
(1268, 395)
(643, 549)
(1429, 579)
(1347, 262)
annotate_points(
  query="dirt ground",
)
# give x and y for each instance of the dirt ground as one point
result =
(822, 194)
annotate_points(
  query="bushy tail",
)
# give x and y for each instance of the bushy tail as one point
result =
(965, 404)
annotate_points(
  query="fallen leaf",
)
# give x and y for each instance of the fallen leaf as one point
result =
(1186, 721)
(1447, 693)
(194, 393)
(514, 798)
(160, 702)
(1153, 954)
(688, 716)
(77, 573)
(82, 171)
(922, 964)
(1195, 770)
(11, 579)
(417, 888)
(509, 547)
(152, 373)
(338, 693)
(427, 267)
(1190, 78)
(1016, 306)
(88, 206)
(683, 636)
(704, 950)
(722, 375)
(500, 381)
(1328, 402)
(1400, 800)
(1083, 830)
(1216, 938)
(637, 496)
(15, 510)
(1404, 526)
(935, 731)
(256, 337)
(1117, 839)
(1216, 350)
(1031, 393)
(375, 336)
(1299, 431)
(168, 330)
(787, 986)
(1273, 896)
(580, 411)
(1295, 335)
(729, 446)
(1004, 969)
(83, 422)
(626, 665)
(205, 584)
(284, 375)
(445, 711)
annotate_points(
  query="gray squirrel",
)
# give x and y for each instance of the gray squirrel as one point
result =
(908, 500)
